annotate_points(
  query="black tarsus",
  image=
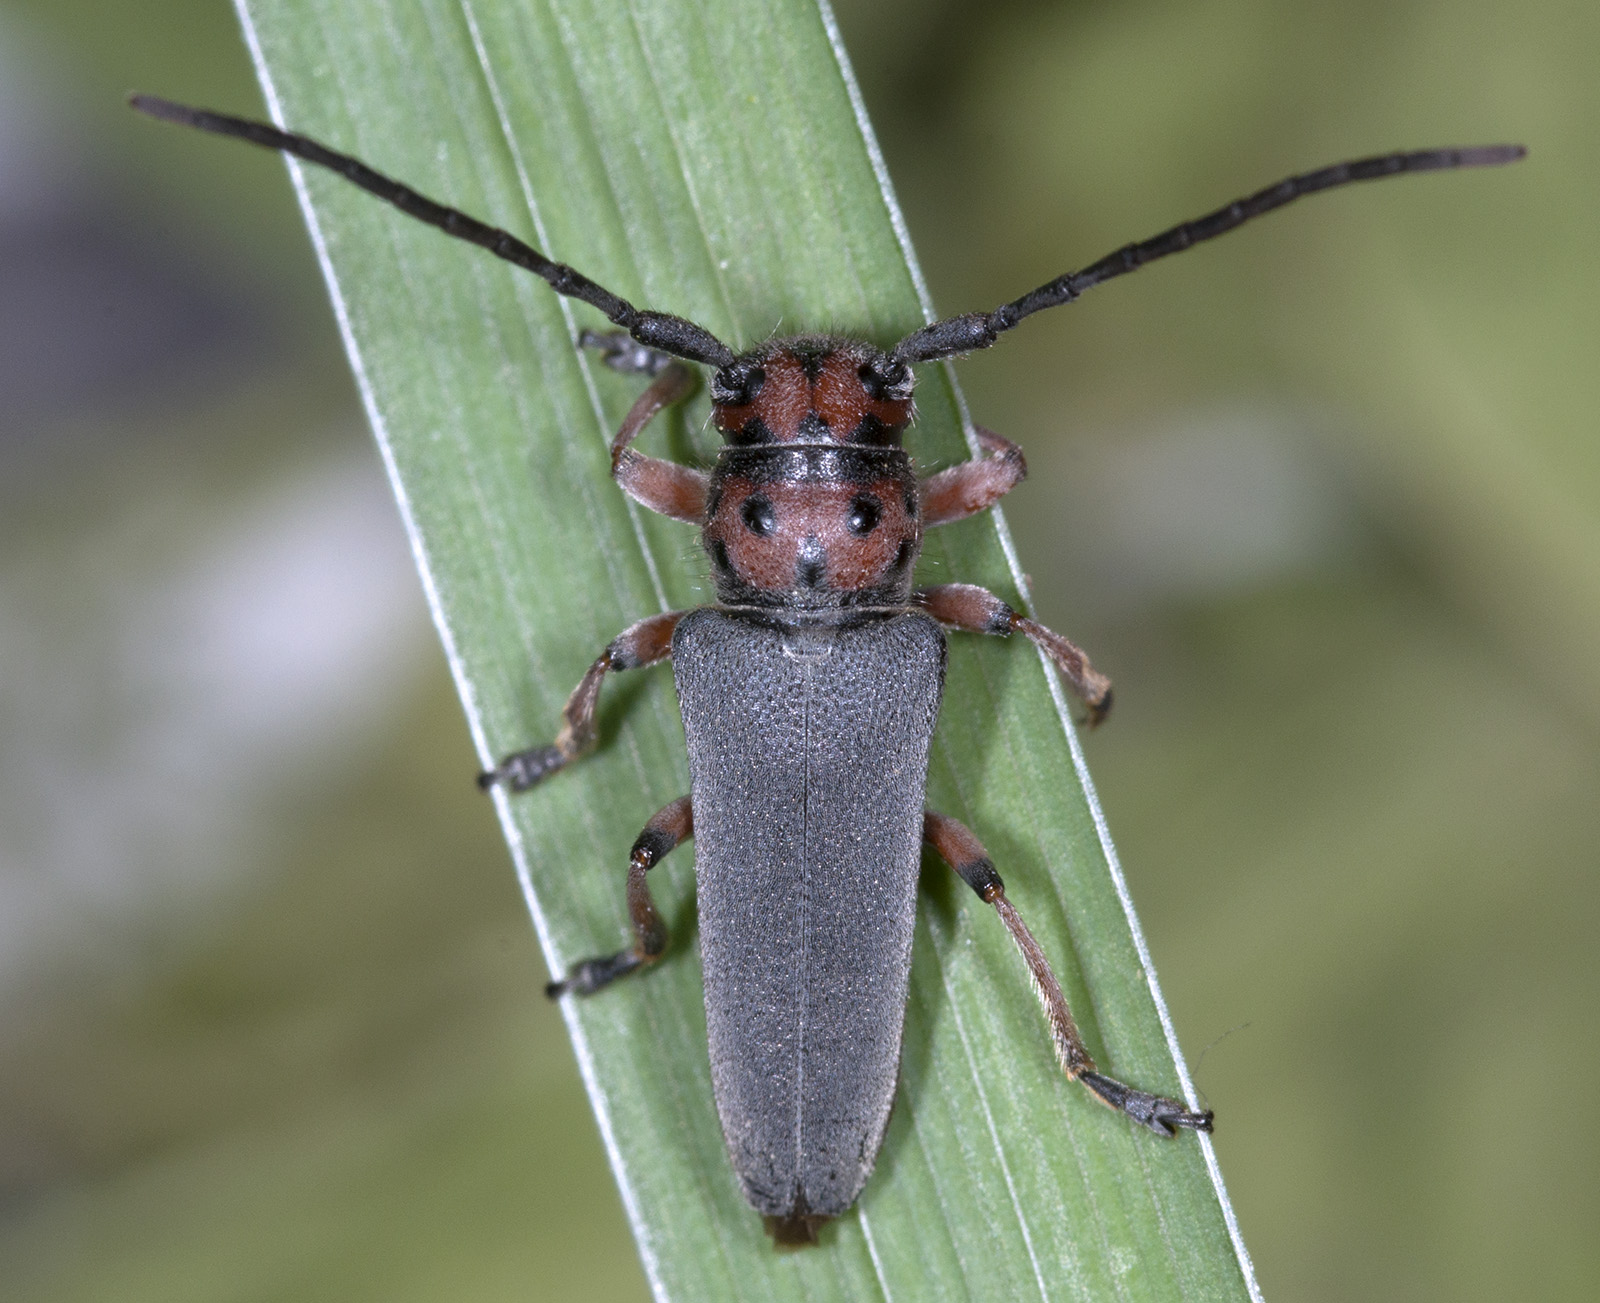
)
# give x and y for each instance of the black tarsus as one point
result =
(668, 828)
(1163, 1116)
(974, 330)
(655, 330)
(523, 770)
(589, 975)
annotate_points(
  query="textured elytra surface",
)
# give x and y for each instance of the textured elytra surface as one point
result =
(808, 759)
(705, 159)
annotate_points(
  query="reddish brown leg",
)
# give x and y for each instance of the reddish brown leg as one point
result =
(977, 610)
(647, 643)
(965, 490)
(670, 825)
(965, 854)
(664, 486)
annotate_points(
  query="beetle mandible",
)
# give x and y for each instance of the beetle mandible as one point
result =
(809, 691)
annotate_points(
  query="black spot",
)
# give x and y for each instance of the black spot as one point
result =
(753, 431)
(758, 515)
(810, 571)
(719, 554)
(906, 555)
(875, 433)
(912, 506)
(813, 429)
(811, 363)
(865, 513)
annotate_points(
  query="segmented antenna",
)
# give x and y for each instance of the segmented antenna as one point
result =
(657, 330)
(975, 330)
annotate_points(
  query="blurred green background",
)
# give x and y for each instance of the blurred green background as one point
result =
(1323, 498)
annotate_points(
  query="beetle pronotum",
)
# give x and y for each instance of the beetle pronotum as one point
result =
(809, 691)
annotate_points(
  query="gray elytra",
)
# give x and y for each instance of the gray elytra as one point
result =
(808, 840)
(810, 690)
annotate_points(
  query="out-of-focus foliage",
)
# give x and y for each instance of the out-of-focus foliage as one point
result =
(1324, 498)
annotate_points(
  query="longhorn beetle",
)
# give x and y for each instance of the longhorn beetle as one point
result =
(809, 691)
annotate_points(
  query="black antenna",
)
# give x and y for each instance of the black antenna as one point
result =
(975, 330)
(657, 330)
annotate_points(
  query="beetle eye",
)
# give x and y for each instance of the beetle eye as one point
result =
(864, 515)
(737, 385)
(886, 378)
(758, 515)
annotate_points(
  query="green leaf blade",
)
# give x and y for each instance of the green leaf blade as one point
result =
(706, 159)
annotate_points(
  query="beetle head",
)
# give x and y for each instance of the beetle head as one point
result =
(813, 389)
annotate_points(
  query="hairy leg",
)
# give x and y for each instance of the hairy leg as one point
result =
(664, 486)
(964, 490)
(977, 610)
(647, 643)
(669, 826)
(965, 854)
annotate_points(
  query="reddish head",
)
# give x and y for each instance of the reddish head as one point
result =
(813, 389)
